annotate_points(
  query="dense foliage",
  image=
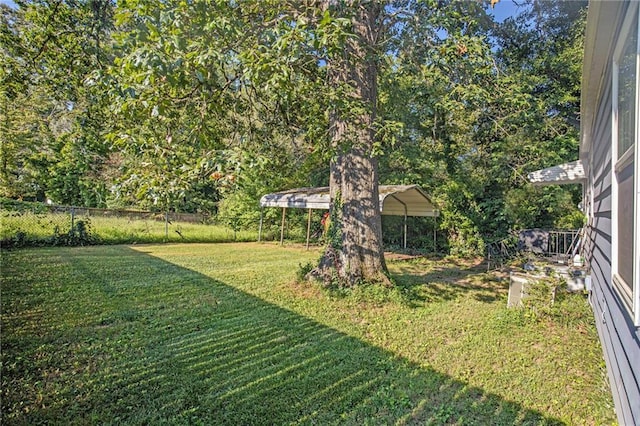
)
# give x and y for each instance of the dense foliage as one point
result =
(207, 105)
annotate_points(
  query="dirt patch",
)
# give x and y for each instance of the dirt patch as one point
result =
(401, 256)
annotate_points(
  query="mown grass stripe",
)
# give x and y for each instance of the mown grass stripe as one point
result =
(188, 334)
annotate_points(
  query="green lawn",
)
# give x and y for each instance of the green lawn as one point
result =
(29, 229)
(221, 334)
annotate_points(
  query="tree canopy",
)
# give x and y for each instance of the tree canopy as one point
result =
(205, 105)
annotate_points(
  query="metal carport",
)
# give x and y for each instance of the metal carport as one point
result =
(395, 200)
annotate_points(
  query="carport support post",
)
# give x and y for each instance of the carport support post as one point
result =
(405, 219)
(308, 227)
(405, 227)
(435, 233)
(284, 211)
(260, 227)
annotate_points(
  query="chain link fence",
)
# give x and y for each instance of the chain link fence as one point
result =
(36, 224)
(24, 225)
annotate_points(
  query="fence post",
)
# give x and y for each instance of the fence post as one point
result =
(166, 226)
(73, 217)
(235, 228)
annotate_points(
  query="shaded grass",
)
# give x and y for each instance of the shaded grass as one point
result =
(220, 334)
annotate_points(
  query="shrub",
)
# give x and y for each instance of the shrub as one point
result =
(542, 295)
(303, 270)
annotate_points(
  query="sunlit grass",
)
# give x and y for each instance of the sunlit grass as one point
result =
(122, 230)
(38, 227)
(32, 225)
(221, 334)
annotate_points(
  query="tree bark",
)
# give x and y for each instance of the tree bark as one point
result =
(355, 252)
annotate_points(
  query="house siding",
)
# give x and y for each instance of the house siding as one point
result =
(619, 337)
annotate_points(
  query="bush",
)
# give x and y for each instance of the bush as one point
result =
(541, 296)
(303, 270)
(79, 235)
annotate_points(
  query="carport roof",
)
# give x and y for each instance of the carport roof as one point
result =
(395, 200)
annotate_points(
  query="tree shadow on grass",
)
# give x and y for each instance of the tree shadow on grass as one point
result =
(183, 348)
(429, 280)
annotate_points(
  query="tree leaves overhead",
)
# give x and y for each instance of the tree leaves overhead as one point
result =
(180, 104)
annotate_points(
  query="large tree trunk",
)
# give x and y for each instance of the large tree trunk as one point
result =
(355, 252)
